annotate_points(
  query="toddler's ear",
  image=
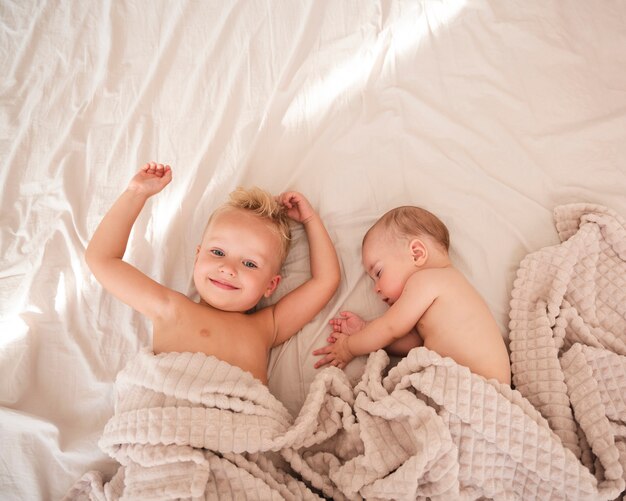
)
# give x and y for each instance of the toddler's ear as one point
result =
(419, 251)
(271, 287)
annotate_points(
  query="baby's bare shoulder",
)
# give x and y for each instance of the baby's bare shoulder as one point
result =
(436, 276)
(437, 282)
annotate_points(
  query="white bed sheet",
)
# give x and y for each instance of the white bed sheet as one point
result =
(487, 113)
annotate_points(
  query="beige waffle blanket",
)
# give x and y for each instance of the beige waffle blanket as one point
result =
(568, 337)
(187, 425)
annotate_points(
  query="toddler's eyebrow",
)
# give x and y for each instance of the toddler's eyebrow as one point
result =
(257, 259)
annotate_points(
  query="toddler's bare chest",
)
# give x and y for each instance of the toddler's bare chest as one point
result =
(237, 339)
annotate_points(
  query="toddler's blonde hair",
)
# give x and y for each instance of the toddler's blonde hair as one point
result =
(409, 221)
(263, 205)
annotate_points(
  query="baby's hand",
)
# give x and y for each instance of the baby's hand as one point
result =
(337, 353)
(347, 323)
(151, 179)
(298, 207)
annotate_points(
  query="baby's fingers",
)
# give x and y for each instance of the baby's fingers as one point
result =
(323, 351)
(328, 359)
(336, 324)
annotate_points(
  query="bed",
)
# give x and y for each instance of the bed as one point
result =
(490, 114)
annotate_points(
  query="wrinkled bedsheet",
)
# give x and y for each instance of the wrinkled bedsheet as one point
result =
(489, 114)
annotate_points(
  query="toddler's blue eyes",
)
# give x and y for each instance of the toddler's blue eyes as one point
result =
(220, 253)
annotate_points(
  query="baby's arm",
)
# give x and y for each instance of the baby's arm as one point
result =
(349, 323)
(346, 323)
(406, 343)
(299, 307)
(106, 249)
(388, 329)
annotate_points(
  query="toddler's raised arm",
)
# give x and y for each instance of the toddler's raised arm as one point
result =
(106, 249)
(298, 307)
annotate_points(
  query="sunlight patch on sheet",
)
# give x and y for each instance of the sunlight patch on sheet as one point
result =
(60, 299)
(13, 328)
(408, 32)
(324, 92)
(404, 33)
(161, 215)
(168, 205)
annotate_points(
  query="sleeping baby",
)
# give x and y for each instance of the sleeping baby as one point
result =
(237, 263)
(430, 302)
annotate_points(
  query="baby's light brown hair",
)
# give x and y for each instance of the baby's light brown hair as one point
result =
(409, 221)
(263, 205)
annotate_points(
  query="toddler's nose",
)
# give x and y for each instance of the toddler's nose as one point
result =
(228, 270)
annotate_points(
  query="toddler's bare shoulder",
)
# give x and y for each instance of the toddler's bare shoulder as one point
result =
(264, 322)
(176, 306)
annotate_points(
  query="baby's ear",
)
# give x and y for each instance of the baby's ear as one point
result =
(271, 287)
(419, 251)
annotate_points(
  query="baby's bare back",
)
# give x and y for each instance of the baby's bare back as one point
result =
(241, 340)
(460, 325)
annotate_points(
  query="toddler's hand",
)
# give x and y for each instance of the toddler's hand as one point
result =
(298, 207)
(337, 354)
(151, 179)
